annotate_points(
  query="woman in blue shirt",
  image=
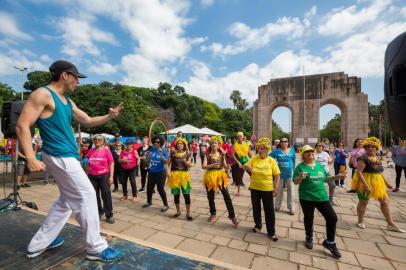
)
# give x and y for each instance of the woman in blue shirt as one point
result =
(340, 163)
(286, 157)
(157, 157)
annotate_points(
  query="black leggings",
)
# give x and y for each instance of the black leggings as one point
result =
(101, 185)
(185, 196)
(328, 213)
(117, 175)
(267, 200)
(194, 157)
(125, 174)
(158, 179)
(144, 173)
(398, 170)
(227, 200)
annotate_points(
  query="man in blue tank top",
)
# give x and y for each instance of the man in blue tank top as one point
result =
(52, 111)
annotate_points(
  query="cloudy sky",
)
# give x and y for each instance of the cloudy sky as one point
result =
(210, 47)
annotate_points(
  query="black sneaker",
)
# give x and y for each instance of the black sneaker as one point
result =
(110, 220)
(115, 189)
(25, 185)
(148, 204)
(332, 248)
(141, 190)
(18, 187)
(309, 242)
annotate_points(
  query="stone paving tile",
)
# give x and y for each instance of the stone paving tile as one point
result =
(237, 244)
(396, 241)
(278, 253)
(325, 264)
(399, 266)
(258, 249)
(372, 237)
(196, 247)
(261, 263)
(118, 226)
(373, 262)
(219, 240)
(394, 252)
(234, 256)
(343, 266)
(257, 238)
(140, 232)
(360, 246)
(166, 239)
(300, 258)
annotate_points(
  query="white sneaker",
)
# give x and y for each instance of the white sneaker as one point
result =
(394, 228)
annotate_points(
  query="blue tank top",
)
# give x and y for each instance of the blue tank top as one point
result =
(56, 132)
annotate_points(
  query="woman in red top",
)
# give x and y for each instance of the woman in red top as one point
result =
(129, 160)
(100, 172)
(195, 148)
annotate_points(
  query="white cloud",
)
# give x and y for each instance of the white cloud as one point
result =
(206, 3)
(254, 38)
(16, 58)
(45, 58)
(10, 28)
(142, 71)
(361, 55)
(82, 39)
(346, 20)
(103, 69)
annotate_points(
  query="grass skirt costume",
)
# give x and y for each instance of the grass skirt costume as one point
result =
(215, 179)
(179, 181)
(241, 153)
(375, 182)
(373, 177)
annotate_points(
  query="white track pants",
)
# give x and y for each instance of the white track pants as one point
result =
(77, 197)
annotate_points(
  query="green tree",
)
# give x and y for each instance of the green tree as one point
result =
(6, 93)
(238, 102)
(277, 132)
(332, 130)
(233, 121)
(37, 79)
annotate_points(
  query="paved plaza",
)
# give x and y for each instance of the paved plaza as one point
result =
(371, 248)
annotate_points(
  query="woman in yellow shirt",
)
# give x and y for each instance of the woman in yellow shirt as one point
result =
(265, 176)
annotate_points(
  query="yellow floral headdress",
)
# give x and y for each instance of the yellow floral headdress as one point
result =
(181, 139)
(371, 141)
(264, 142)
(216, 138)
(239, 133)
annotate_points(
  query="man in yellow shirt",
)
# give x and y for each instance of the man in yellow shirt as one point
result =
(265, 177)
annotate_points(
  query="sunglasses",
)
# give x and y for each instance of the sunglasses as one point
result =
(157, 142)
(284, 141)
(318, 145)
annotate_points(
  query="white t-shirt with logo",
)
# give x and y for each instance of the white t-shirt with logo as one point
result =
(323, 159)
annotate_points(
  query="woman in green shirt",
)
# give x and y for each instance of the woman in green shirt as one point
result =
(264, 178)
(311, 176)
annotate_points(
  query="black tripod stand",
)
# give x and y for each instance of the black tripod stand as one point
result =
(15, 196)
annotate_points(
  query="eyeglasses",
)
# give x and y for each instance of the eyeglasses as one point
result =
(157, 142)
(284, 141)
(260, 148)
(318, 145)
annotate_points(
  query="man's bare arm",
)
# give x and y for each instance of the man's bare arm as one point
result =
(32, 110)
(86, 120)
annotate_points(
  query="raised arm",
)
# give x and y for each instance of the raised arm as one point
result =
(86, 120)
(38, 101)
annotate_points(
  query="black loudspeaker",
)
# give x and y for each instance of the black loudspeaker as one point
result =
(395, 84)
(10, 112)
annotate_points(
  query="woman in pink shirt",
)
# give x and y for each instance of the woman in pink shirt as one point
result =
(356, 152)
(129, 160)
(100, 171)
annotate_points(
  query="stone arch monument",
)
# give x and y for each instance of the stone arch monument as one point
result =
(303, 96)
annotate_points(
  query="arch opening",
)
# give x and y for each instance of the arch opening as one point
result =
(331, 122)
(281, 122)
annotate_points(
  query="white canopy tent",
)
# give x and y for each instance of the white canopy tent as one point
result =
(82, 134)
(208, 131)
(107, 136)
(186, 129)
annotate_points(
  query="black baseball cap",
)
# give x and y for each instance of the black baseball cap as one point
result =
(60, 66)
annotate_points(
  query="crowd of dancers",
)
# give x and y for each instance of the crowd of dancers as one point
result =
(272, 168)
